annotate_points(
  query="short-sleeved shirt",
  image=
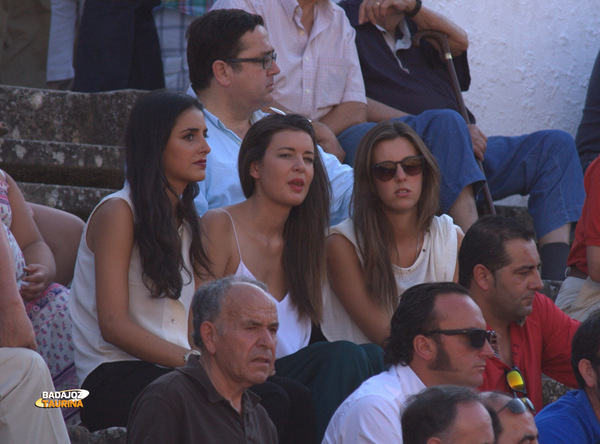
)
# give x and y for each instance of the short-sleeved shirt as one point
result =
(570, 420)
(318, 70)
(184, 406)
(541, 345)
(587, 232)
(372, 413)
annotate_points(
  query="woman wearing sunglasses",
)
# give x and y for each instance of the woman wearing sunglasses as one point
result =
(393, 239)
(278, 236)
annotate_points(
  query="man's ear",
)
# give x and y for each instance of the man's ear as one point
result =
(424, 347)
(482, 277)
(209, 335)
(221, 71)
(588, 373)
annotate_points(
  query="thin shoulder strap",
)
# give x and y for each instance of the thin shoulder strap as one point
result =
(237, 242)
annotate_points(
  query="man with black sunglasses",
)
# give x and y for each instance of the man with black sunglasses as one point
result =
(575, 418)
(498, 262)
(517, 425)
(438, 336)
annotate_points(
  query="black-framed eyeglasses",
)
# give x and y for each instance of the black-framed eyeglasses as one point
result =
(412, 166)
(519, 405)
(477, 337)
(267, 61)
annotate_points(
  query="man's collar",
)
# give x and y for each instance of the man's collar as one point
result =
(402, 37)
(289, 6)
(194, 370)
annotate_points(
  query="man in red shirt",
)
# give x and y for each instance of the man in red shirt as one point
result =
(499, 264)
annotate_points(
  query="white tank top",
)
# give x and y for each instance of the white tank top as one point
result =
(436, 263)
(164, 317)
(294, 332)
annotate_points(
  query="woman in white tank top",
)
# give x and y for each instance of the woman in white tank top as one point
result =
(393, 239)
(278, 236)
(138, 261)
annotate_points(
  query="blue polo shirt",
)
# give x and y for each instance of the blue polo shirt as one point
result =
(571, 419)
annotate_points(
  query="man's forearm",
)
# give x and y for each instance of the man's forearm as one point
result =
(344, 116)
(431, 20)
(378, 112)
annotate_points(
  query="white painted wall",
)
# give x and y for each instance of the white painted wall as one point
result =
(530, 60)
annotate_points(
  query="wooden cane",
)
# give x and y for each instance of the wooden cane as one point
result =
(446, 55)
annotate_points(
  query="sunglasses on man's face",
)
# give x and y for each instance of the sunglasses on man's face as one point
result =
(476, 336)
(412, 166)
(518, 405)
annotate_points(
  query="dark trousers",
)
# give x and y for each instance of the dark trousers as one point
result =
(290, 407)
(113, 387)
(118, 47)
(331, 370)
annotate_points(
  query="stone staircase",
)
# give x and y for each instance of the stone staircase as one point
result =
(63, 148)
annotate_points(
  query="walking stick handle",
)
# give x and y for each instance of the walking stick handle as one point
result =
(446, 55)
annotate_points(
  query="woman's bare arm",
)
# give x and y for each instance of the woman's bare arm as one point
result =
(347, 280)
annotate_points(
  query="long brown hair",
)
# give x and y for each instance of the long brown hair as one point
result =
(372, 228)
(305, 228)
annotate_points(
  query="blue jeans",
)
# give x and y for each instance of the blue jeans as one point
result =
(118, 47)
(543, 164)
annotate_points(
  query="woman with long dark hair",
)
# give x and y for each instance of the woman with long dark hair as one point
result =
(278, 236)
(393, 239)
(140, 259)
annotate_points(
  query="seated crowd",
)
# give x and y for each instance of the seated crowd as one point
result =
(245, 285)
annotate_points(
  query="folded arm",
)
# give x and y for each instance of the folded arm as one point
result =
(110, 236)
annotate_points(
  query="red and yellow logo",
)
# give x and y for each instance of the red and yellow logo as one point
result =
(64, 398)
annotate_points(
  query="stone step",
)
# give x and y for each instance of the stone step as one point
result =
(79, 201)
(60, 163)
(65, 116)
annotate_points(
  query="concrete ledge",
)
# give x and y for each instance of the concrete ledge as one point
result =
(65, 116)
(62, 163)
(79, 201)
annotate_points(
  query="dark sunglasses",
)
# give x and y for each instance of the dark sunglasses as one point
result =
(412, 166)
(266, 61)
(476, 336)
(519, 405)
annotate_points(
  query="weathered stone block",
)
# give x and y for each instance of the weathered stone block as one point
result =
(65, 116)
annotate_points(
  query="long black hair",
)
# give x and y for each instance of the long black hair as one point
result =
(155, 229)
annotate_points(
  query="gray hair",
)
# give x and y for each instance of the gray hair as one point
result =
(208, 300)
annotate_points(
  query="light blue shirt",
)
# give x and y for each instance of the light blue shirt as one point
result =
(222, 187)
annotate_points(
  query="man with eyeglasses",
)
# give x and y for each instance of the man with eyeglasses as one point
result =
(232, 69)
(438, 336)
(321, 79)
(498, 262)
(575, 418)
(517, 425)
